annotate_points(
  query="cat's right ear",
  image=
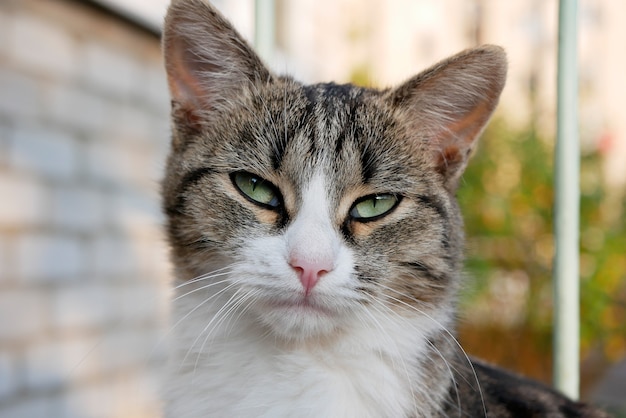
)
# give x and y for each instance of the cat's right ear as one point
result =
(209, 65)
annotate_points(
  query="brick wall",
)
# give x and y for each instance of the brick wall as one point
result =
(83, 134)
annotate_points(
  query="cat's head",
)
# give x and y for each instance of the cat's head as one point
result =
(323, 203)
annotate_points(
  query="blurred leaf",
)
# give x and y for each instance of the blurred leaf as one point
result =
(507, 197)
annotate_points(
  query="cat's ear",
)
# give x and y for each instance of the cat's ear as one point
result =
(209, 65)
(449, 104)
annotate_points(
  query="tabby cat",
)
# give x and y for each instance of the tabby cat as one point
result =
(317, 241)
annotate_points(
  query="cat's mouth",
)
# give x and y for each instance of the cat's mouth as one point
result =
(303, 305)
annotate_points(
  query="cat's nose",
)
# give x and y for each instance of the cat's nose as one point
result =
(310, 272)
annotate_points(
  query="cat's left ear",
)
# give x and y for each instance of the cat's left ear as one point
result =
(449, 104)
(209, 65)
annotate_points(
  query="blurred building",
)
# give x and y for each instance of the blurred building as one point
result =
(83, 134)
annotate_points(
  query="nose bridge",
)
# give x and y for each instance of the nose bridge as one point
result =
(311, 237)
(311, 240)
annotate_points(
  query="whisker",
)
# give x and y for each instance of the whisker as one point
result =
(443, 328)
(234, 305)
(408, 323)
(250, 295)
(215, 316)
(456, 389)
(218, 318)
(393, 343)
(205, 276)
(201, 288)
(198, 306)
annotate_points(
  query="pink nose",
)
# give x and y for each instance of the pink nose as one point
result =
(310, 272)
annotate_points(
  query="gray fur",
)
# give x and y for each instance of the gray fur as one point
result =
(231, 114)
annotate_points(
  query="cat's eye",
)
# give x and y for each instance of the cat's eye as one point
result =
(256, 189)
(370, 208)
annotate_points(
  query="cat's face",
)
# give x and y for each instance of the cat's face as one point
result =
(324, 205)
(319, 204)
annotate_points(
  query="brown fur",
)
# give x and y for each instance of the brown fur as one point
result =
(231, 114)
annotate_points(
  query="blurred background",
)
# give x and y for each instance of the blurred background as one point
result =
(84, 133)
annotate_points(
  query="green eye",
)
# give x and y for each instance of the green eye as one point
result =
(370, 208)
(256, 189)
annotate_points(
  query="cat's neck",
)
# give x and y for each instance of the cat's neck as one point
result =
(374, 368)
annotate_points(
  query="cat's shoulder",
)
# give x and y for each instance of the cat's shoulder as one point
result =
(506, 394)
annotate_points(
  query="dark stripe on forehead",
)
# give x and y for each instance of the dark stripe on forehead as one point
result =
(289, 127)
(337, 98)
(350, 128)
(278, 148)
(338, 107)
(310, 92)
(311, 116)
(368, 164)
(343, 103)
(339, 92)
(341, 138)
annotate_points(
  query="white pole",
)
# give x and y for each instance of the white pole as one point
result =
(265, 29)
(567, 203)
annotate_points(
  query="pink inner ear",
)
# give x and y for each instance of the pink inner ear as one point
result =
(182, 85)
(457, 141)
(449, 158)
(183, 82)
(467, 128)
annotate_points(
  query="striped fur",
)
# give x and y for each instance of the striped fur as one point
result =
(374, 337)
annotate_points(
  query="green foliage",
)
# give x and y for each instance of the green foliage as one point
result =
(507, 200)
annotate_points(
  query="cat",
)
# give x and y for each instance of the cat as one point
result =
(316, 239)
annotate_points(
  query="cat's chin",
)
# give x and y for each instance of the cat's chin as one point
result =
(299, 319)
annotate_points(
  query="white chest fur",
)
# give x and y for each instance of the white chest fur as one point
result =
(237, 370)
